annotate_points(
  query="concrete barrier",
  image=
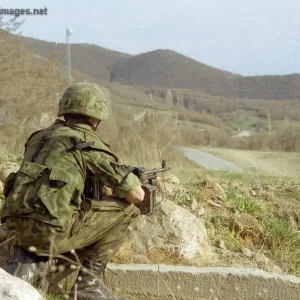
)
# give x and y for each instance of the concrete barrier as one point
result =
(179, 282)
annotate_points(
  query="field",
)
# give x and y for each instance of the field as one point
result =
(268, 163)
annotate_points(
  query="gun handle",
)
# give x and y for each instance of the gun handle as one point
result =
(147, 205)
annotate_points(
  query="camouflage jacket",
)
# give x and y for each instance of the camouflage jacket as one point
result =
(50, 183)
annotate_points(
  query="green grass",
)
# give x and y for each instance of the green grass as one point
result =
(243, 204)
(283, 241)
(232, 242)
(281, 233)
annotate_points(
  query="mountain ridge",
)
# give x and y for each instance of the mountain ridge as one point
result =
(165, 68)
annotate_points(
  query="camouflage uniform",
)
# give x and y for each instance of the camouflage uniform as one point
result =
(46, 204)
(37, 214)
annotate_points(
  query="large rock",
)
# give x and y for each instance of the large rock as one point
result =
(171, 227)
(13, 288)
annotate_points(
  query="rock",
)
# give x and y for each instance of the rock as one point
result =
(246, 226)
(193, 204)
(214, 204)
(170, 178)
(141, 259)
(170, 187)
(275, 269)
(252, 193)
(260, 258)
(14, 288)
(201, 211)
(222, 245)
(171, 226)
(247, 252)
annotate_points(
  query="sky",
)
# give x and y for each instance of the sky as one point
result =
(248, 37)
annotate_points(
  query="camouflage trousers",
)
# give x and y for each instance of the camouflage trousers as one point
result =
(96, 235)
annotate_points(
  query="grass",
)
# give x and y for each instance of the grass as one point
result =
(232, 242)
(274, 204)
(282, 239)
(244, 204)
(9, 157)
(53, 297)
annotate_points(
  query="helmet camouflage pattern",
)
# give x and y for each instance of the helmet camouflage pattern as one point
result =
(85, 99)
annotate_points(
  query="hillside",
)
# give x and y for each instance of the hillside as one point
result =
(196, 117)
(165, 68)
(32, 85)
(168, 69)
(92, 60)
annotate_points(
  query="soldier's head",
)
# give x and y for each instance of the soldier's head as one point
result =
(84, 101)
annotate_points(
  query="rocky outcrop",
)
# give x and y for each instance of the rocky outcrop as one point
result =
(172, 228)
(14, 288)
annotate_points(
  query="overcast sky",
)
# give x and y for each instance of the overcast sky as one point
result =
(249, 37)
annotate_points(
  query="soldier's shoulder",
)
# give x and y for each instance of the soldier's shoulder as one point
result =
(98, 145)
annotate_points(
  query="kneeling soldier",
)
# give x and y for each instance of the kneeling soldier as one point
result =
(58, 200)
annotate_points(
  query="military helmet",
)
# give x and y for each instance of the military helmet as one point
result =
(84, 99)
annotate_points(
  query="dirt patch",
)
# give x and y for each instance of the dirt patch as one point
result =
(246, 227)
(211, 190)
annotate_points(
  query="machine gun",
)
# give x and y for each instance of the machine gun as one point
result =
(147, 179)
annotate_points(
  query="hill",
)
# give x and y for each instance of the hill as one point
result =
(165, 68)
(168, 69)
(92, 60)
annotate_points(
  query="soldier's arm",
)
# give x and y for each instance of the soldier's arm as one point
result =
(124, 185)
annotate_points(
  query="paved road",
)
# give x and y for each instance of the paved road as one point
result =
(210, 161)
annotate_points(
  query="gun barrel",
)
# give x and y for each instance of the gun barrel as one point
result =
(153, 171)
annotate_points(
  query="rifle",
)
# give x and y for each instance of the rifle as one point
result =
(147, 179)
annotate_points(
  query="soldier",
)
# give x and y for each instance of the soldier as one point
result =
(58, 202)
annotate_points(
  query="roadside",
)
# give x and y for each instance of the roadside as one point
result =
(278, 164)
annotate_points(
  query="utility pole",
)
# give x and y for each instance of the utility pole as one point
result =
(68, 56)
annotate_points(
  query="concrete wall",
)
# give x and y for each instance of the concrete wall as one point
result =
(178, 282)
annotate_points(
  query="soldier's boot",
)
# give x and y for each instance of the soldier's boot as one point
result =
(62, 271)
(89, 286)
(27, 266)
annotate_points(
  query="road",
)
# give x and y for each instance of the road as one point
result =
(210, 161)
